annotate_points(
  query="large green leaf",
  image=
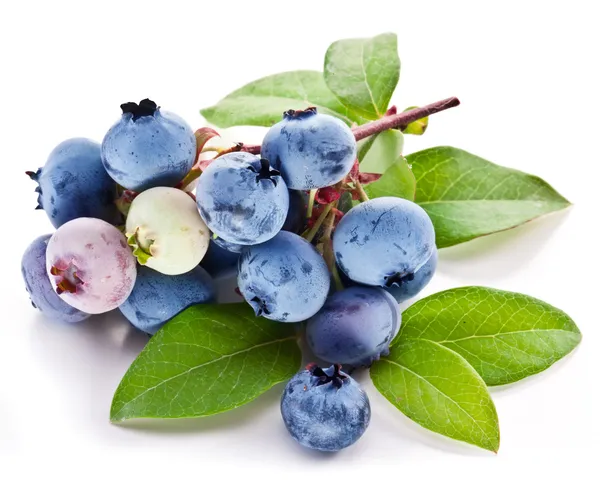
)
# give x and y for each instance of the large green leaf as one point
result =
(363, 73)
(208, 359)
(262, 102)
(467, 196)
(438, 389)
(398, 180)
(505, 336)
(378, 152)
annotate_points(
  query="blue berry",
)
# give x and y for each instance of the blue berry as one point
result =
(42, 294)
(147, 147)
(284, 279)
(311, 150)
(157, 297)
(73, 184)
(411, 286)
(218, 260)
(296, 217)
(355, 326)
(242, 199)
(383, 241)
(325, 409)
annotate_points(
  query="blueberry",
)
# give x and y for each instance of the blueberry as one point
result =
(355, 326)
(148, 147)
(383, 241)
(42, 294)
(284, 279)
(218, 260)
(411, 286)
(157, 297)
(296, 217)
(325, 409)
(311, 150)
(73, 184)
(242, 199)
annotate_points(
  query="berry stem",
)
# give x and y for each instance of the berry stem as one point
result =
(310, 235)
(361, 191)
(311, 202)
(400, 121)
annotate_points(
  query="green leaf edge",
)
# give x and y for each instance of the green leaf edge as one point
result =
(493, 448)
(159, 336)
(561, 199)
(352, 117)
(577, 332)
(369, 115)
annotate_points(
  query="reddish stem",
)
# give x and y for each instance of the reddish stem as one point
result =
(401, 120)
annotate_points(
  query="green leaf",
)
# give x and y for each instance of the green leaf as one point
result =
(438, 389)
(505, 336)
(378, 152)
(262, 102)
(417, 127)
(468, 197)
(206, 360)
(398, 180)
(363, 73)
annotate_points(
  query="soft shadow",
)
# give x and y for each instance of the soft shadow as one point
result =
(237, 418)
(406, 429)
(525, 384)
(502, 254)
(87, 360)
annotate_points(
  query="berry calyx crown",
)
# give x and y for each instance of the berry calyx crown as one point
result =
(146, 107)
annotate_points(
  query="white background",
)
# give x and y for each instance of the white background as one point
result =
(527, 76)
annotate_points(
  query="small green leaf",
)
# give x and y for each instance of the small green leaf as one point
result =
(141, 253)
(206, 360)
(262, 102)
(363, 73)
(398, 180)
(417, 127)
(378, 152)
(468, 197)
(438, 389)
(505, 336)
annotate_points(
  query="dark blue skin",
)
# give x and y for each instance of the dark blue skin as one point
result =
(242, 199)
(157, 297)
(325, 409)
(148, 148)
(42, 294)
(73, 184)
(355, 326)
(228, 246)
(296, 217)
(311, 150)
(383, 241)
(284, 279)
(219, 261)
(410, 287)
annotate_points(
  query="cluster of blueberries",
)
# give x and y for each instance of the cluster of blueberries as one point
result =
(248, 211)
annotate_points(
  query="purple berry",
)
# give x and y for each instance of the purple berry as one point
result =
(90, 265)
(41, 292)
(355, 326)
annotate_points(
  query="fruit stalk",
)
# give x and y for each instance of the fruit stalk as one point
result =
(400, 121)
